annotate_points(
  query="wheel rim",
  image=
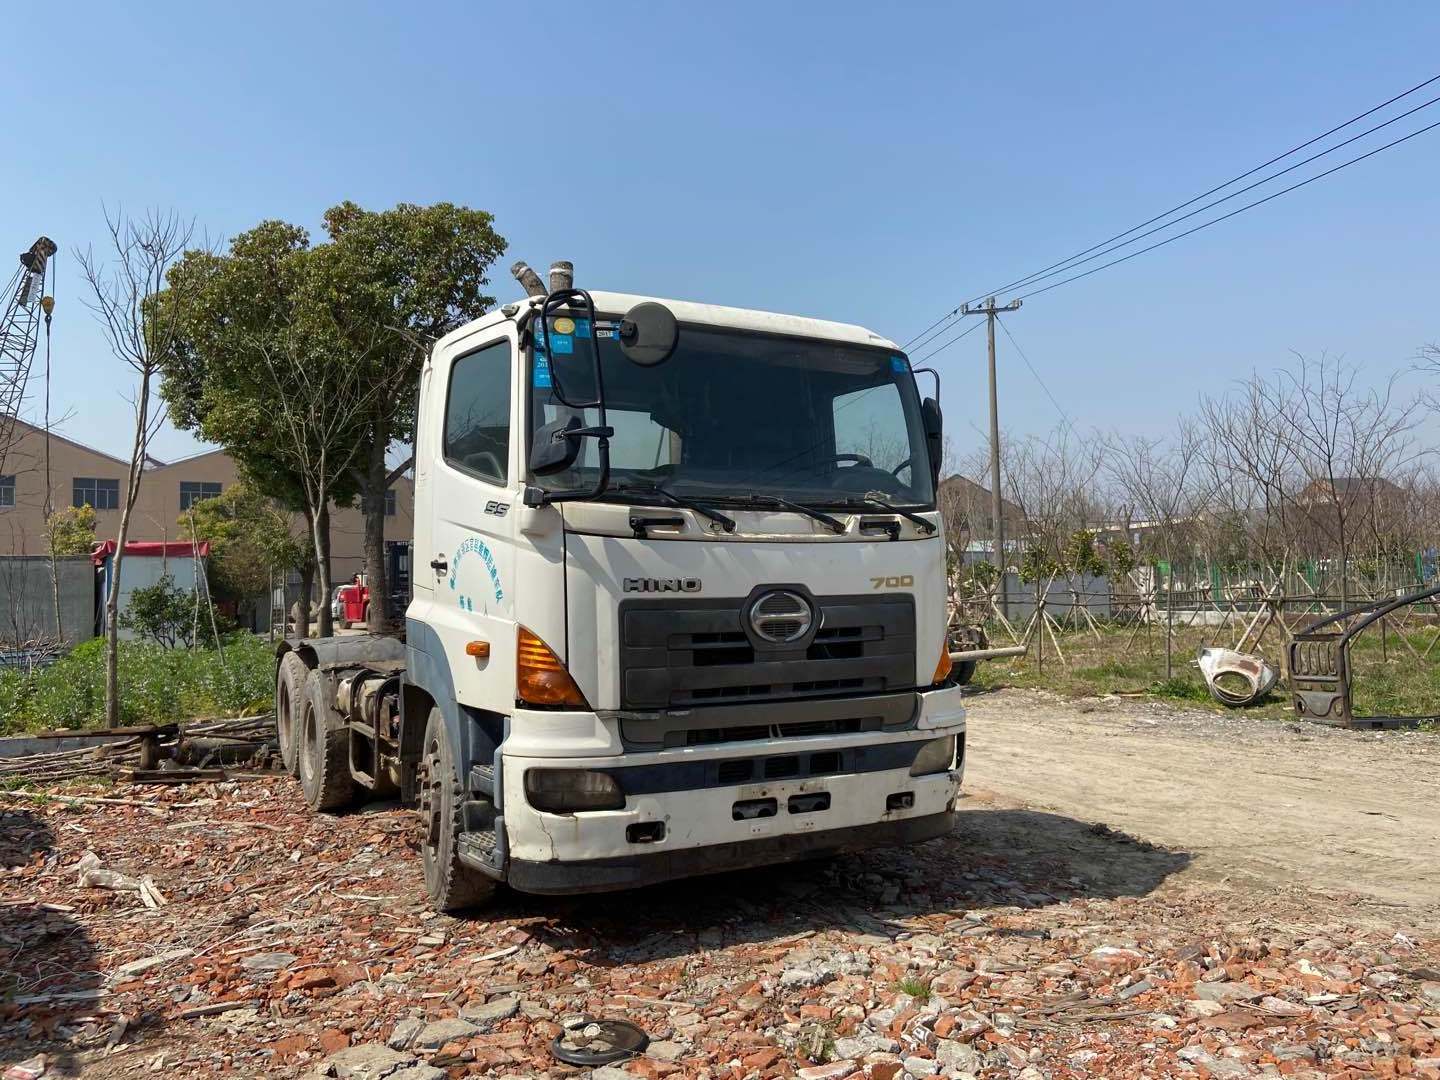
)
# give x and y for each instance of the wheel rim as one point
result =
(308, 735)
(282, 717)
(431, 804)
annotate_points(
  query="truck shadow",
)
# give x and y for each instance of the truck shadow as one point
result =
(42, 952)
(995, 857)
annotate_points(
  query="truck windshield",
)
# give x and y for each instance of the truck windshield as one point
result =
(734, 415)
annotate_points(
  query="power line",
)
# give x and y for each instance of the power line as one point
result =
(1066, 262)
(1027, 279)
(1038, 379)
(952, 341)
(1106, 250)
(1233, 213)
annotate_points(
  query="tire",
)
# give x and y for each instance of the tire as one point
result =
(323, 749)
(449, 883)
(964, 672)
(289, 694)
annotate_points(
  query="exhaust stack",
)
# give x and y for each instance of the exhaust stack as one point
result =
(528, 278)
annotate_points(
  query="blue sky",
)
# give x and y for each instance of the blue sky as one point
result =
(874, 164)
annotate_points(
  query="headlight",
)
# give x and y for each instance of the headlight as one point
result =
(935, 756)
(566, 791)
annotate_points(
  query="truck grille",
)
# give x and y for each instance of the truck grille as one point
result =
(693, 652)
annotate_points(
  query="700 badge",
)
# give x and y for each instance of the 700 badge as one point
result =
(901, 581)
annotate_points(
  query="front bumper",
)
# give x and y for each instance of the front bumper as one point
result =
(633, 871)
(682, 816)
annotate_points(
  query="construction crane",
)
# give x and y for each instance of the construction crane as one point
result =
(26, 302)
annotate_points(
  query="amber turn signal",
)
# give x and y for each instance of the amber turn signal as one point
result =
(942, 669)
(540, 677)
(478, 649)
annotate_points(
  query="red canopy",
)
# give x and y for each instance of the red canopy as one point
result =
(153, 549)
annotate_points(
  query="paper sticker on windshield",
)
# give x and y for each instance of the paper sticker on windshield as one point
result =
(582, 327)
(542, 371)
(897, 364)
(564, 325)
(562, 343)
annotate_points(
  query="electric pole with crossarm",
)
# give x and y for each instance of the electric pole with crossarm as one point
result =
(989, 310)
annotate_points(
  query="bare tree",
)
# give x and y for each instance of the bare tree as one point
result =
(1347, 442)
(139, 334)
(1159, 481)
(1051, 481)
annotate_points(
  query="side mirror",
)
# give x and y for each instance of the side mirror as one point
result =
(934, 425)
(556, 447)
(648, 334)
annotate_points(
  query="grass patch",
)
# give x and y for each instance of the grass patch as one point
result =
(157, 685)
(918, 989)
(1392, 675)
(1181, 690)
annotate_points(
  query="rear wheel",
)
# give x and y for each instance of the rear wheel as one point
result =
(324, 749)
(289, 693)
(964, 672)
(449, 883)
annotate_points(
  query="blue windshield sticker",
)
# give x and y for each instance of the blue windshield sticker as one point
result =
(542, 371)
(582, 327)
(897, 364)
(562, 343)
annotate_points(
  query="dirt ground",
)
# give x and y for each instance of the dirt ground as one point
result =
(1251, 800)
(1132, 890)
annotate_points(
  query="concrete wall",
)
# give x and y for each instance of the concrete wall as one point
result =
(27, 606)
(1094, 597)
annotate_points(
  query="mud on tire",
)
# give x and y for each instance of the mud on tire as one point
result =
(450, 884)
(323, 749)
(289, 696)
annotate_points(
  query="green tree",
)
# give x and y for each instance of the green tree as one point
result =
(1081, 556)
(251, 541)
(303, 360)
(71, 531)
(163, 614)
(397, 280)
(253, 326)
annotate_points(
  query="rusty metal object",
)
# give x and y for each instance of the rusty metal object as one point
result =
(1319, 664)
(1259, 676)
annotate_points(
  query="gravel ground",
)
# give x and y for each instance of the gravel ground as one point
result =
(1085, 920)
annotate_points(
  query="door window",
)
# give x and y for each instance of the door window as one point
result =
(477, 413)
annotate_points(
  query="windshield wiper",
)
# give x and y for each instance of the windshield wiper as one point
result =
(875, 502)
(834, 524)
(724, 521)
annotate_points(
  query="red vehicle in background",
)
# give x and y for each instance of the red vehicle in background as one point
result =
(354, 602)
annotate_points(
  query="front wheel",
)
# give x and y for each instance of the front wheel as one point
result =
(449, 883)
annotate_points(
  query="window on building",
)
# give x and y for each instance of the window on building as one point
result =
(101, 494)
(192, 491)
(391, 502)
(477, 414)
(7, 492)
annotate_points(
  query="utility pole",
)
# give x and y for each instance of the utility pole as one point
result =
(997, 516)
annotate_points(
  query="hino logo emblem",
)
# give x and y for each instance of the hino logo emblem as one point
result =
(781, 617)
(662, 584)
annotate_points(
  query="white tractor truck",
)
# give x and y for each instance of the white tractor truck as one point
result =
(678, 604)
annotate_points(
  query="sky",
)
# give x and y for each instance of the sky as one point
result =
(870, 164)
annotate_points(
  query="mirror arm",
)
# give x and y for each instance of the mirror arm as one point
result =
(601, 432)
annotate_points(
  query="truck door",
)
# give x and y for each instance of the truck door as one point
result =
(474, 490)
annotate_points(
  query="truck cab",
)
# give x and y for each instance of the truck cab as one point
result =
(678, 603)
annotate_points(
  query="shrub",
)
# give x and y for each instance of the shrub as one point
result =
(157, 685)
